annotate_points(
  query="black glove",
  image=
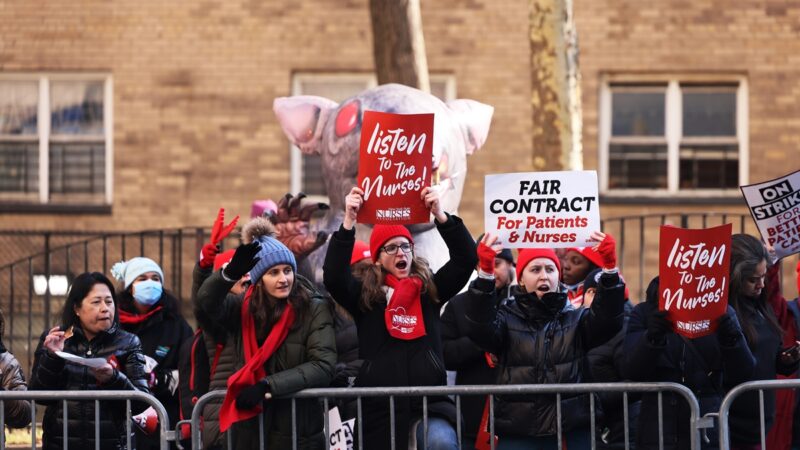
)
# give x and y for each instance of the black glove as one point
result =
(728, 330)
(243, 260)
(252, 396)
(657, 327)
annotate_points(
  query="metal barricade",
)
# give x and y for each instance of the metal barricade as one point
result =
(695, 422)
(727, 402)
(96, 396)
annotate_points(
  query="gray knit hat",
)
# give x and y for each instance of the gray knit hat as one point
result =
(272, 253)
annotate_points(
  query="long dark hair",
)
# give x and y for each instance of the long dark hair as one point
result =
(372, 280)
(81, 286)
(267, 310)
(747, 253)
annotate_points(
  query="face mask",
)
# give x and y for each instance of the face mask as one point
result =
(147, 292)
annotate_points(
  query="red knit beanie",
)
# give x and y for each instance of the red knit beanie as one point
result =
(382, 233)
(527, 255)
(360, 251)
(589, 253)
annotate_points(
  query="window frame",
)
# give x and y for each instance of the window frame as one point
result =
(45, 137)
(370, 81)
(673, 133)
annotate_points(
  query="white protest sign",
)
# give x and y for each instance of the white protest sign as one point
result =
(542, 209)
(775, 206)
(340, 436)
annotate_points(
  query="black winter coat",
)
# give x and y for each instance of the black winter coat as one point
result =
(53, 373)
(389, 361)
(709, 378)
(542, 341)
(745, 416)
(162, 335)
(304, 360)
(468, 359)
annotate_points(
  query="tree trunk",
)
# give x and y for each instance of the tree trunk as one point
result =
(555, 85)
(398, 44)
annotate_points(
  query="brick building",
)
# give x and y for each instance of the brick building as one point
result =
(149, 115)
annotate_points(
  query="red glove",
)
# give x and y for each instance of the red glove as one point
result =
(486, 256)
(220, 231)
(207, 255)
(607, 248)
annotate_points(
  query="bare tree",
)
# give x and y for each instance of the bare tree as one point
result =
(398, 44)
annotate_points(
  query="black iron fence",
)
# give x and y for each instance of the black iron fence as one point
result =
(37, 266)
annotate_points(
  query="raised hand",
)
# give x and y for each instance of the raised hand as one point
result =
(291, 222)
(219, 231)
(607, 248)
(488, 248)
(243, 260)
(431, 198)
(352, 204)
(54, 341)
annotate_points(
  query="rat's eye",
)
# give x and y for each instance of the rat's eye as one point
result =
(348, 118)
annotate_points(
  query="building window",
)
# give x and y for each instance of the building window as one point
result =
(307, 169)
(673, 135)
(55, 139)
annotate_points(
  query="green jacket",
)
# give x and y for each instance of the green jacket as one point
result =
(306, 359)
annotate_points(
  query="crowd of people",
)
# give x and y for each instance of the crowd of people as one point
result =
(385, 318)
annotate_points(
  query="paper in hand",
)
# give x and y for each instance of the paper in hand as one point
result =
(94, 363)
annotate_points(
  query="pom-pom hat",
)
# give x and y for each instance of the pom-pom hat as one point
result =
(127, 271)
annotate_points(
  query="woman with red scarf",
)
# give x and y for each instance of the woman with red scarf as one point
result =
(396, 304)
(282, 331)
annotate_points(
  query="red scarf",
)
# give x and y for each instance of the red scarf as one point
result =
(255, 358)
(403, 314)
(134, 319)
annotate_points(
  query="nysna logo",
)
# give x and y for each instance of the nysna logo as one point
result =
(393, 213)
(402, 321)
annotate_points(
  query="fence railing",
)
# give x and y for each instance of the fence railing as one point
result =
(165, 435)
(695, 421)
(737, 392)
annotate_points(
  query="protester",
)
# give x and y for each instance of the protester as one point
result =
(89, 328)
(538, 338)
(407, 355)
(202, 355)
(282, 331)
(578, 262)
(605, 363)
(794, 308)
(153, 314)
(708, 365)
(471, 363)
(17, 413)
(756, 310)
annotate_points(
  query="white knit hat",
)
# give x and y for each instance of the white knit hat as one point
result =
(129, 270)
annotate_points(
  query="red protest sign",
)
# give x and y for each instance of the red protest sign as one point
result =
(394, 166)
(693, 271)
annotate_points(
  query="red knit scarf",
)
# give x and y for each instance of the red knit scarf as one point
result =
(403, 314)
(255, 357)
(131, 318)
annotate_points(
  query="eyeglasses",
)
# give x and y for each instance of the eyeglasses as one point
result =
(391, 249)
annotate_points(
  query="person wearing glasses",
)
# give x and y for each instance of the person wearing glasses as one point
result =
(396, 304)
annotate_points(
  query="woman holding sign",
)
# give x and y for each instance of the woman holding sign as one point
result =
(540, 338)
(89, 329)
(762, 328)
(396, 307)
(708, 365)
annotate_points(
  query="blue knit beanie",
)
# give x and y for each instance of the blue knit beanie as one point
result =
(272, 253)
(127, 271)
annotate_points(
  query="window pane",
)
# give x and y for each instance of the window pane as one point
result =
(19, 167)
(637, 166)
(709, 167)
(709, 113)
(19, 105)
(637, 113)
(77, 168)
(77, 107)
